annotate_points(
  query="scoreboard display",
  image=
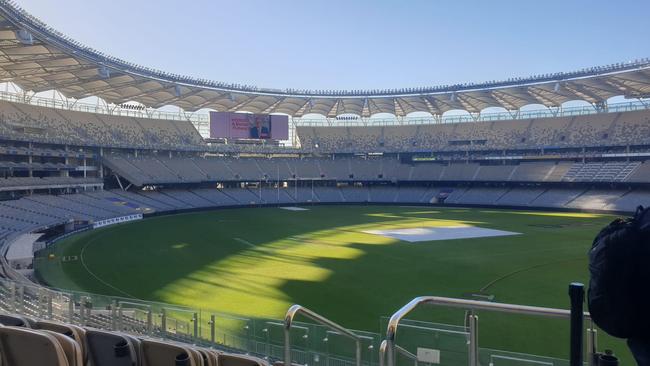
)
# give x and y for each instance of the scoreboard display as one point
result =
(248, 126)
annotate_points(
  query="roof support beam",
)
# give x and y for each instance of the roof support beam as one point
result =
(503, 102)
(49, 73)
(373, 108)
(538, 94)
(582, 93)
(334, 111)
(397, 108)
(6, 59)
(432, 106)
(598, 87)
(206, 103)
(621, 87)
(26, 50)
(41, 65)
(469, 107)
(161, 88)
(110, 87)
(518, 94)
(272, 107)
(645, 78)
(449, 103)
(402, 102)
(365, 111)
(470, 97)
(240, 105)
(302, 110)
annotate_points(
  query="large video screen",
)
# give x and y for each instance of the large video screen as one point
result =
(248, 126)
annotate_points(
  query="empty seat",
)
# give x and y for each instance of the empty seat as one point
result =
(157, 353)
(229, 359)
(70, 347)
(112, 349)
(28, 347)
(15, 321)
(76, 333)
(210, 357)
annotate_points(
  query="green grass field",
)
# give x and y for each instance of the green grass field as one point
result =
(257, 262)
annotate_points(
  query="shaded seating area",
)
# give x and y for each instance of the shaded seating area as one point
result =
(28, 342)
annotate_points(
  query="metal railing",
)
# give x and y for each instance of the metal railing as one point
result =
(390, 348)
(271, 339)
(398, 349)
(262, 337)
(288, 323)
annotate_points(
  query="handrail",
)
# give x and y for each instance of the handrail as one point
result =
(382, 353)
(391, 331)
(404, 352)
(298, 309)
(383, 346)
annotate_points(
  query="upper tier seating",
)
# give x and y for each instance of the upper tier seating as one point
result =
(606, 129)
(26, 122)
(41, 124)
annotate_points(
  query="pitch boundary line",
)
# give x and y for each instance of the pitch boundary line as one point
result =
(83, 263)
(510, 274)
(245, 242)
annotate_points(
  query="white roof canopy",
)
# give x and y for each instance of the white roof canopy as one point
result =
(38, 58)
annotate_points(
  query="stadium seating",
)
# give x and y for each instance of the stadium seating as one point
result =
(27, 183)
(25, 347)
(28, 342)
(29, 122)
(641, 173)
(520, 196)
(595, 199)
(629, 201)
(382, 194)
(492, 173)
(37, 211)
(64, 171)
(532, 172)
(426, 172)
(52, 166)
(160, 170)
(112, 349)
(605, 129)
(557, 197)
(480, 196)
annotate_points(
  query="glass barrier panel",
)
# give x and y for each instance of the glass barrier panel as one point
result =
(449, 342)
(490, 357)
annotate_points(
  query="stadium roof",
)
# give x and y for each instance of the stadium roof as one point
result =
(38, 58)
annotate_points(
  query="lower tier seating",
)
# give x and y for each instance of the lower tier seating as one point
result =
(28, 342)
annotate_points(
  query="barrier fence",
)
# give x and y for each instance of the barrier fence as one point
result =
(320, 342)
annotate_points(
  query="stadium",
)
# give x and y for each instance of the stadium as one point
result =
(151, 237)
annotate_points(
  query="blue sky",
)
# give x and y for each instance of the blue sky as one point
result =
(338, 44)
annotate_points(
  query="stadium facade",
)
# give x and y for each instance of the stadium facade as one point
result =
(66, 167)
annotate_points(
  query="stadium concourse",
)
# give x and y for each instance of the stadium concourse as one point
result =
(68, 167)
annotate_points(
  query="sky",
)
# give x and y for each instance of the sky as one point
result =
(346, 44)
